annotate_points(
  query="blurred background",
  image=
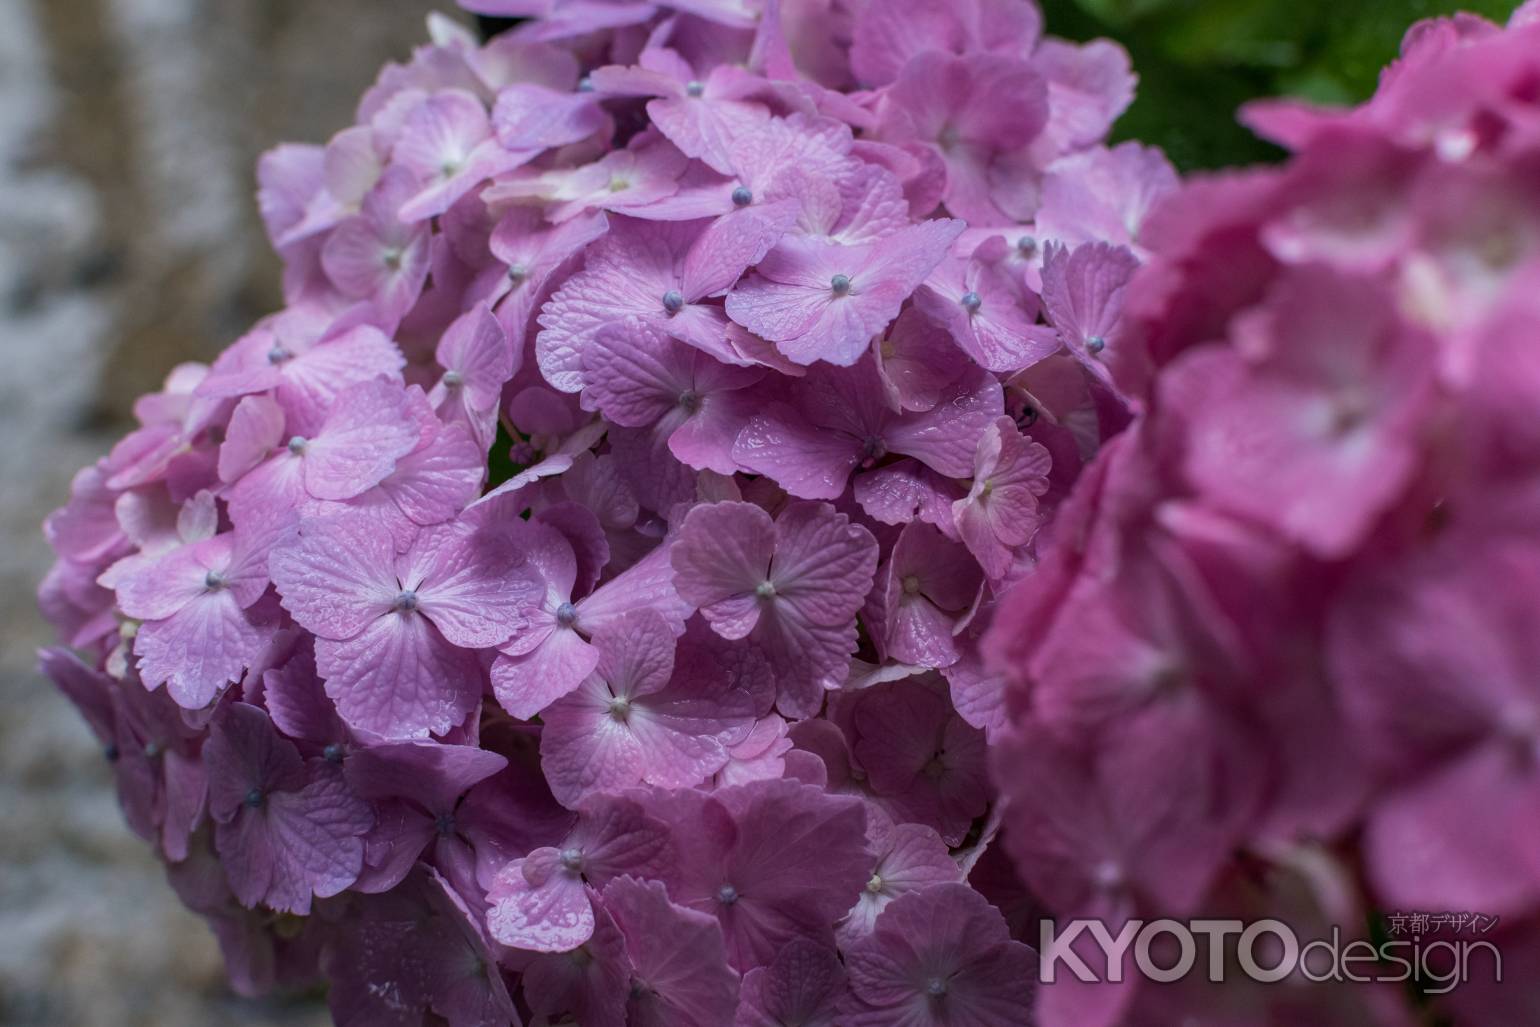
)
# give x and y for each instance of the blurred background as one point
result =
(129, 242)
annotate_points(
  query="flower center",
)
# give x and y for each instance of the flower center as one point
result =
(875, 884)
(572, 859)
(620, 709)
(673, 301)
(727, 895)
(517, 273)
(765, 589)
(406, 601)
(1026, 245)
(935, 987)
(840, 285)
(935, 769)
(742, 196)
(278, 355)
(1108, 875)
(566, 615)
(333, 753)
(445, 824)
(1095, 344)
(695, 90)
(971, 302)
(298, 444)
(911, 584)
(254, 798)
(213, 581)
(453, 379)
(392, 259)
(689, 401)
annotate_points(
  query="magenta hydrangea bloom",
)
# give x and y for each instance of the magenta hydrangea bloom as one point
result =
(289, 830)
(791, 585)
(555, 655)
(819, 300)
(639, 717)
(1001, 511)
(910, 857)
(396, 634)
(686, 982)
(478, 360)
(541, 901)
(1242, 635)
(802, 986)
(939, 957)
(770, 860)
(579, 602)
(201, 628)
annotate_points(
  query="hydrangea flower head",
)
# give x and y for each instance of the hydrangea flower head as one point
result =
(575, 604)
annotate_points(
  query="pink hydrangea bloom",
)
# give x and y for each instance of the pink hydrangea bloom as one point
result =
(396, 634)
(289, 830)
(940, 956)
(791, 585)
(638, 717)
(541, 902)
(819, 300)
(579, 602)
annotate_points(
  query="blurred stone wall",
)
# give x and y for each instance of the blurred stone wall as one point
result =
(129, 242)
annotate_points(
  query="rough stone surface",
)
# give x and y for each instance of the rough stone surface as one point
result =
(129, 130)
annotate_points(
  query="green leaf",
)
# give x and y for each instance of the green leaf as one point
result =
(1198, 60)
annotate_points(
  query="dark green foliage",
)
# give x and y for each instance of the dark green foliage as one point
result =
(1198, 60)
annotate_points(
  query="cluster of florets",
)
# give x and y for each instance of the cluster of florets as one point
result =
(1282, 657)
(569, 607)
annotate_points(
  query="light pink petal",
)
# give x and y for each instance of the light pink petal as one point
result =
(584, 748)
(312, 379)
(823, 563)
(528, 683)
(256, 426)
(723, 554)
(440, 479)
(532, 117)
(399, 678)
(648, 584)
(705, 128)
(733, 243)
(554, 916)
(635, 373)
(803, 460)
(474, 585)
(337, 577)
(199, 649)
(367, 431)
